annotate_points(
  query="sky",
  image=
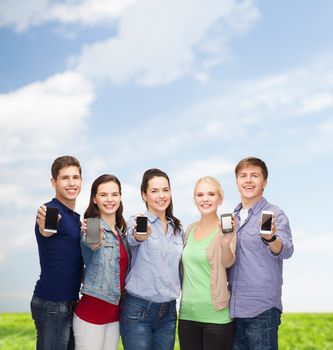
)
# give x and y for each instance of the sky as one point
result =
(190, 87)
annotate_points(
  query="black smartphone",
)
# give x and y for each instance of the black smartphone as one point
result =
(93, 231)
(141, 225)
(51, 220)
(266, 222)
(226, 223)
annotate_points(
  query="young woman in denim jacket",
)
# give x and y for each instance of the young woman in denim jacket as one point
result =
(96, 319)
(148, 311)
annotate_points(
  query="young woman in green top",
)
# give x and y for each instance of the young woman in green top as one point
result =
(204, 322)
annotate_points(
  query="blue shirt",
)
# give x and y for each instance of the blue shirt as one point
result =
(60, 258)
(154, 271)
(256, 277)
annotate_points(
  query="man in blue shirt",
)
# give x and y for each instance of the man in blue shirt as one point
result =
(256, 277)
(57, 289)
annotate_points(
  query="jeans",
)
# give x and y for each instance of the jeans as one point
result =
(145, 325)
(258, 333)
(195, 335)
(53, 322)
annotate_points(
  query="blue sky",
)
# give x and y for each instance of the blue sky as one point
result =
(188, 86)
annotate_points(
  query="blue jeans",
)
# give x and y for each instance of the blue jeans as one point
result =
(145, 325)
(53, 322)
(258, 333)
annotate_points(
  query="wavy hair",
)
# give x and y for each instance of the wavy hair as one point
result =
(93, 212)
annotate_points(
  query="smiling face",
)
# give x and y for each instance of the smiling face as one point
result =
(207, 197)
(158, 195)
(251, 184)
(67, 185)
(107, 199)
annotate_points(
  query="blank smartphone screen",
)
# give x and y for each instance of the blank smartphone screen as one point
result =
(93, 234)
(51, 219)
(141, 224)
(266, 222)
(226, 222)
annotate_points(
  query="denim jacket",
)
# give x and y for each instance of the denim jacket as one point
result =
(102, 269)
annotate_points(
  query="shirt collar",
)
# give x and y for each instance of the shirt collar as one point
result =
(64, 207)
(152, 218)
(256, 208)
(108, 228)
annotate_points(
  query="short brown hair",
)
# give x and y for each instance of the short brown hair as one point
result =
(62, 162)
(252, 161)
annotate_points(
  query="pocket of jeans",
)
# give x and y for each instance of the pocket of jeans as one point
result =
(57, 309)
(134, 312)
(36, 302)
(65, 310)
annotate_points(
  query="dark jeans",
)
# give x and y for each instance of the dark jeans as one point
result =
(145, 325)
(53, 322)
(258, 333)
(205, 336)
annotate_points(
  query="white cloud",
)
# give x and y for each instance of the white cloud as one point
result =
(42, 117)
(24, 14)
(321, 140)
(189, 172)
(307, 242)
(159, 41)
(281, 101)
(294, 94)
(271, 108)
(89, 12)
(37, 122)
(17, 232)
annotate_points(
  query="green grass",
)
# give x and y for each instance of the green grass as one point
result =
(306, 332)
(297, 332)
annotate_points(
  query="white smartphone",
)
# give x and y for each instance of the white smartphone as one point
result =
(93, 235)
(51, 220)
(266, 222)
(141, 225)
(226, 223)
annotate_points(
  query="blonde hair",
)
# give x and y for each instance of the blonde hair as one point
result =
(212, 181)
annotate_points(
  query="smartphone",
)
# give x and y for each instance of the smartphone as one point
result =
(266, 222)
(93, 233)
(141, 225)
(226, 223)
(51, 220)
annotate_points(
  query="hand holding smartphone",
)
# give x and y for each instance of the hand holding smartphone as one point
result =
(226, 223)
(51, 220)
(93, 231)
(141, 225)
(266, 222)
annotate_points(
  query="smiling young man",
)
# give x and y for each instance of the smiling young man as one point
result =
(256, 277)
(57, 289)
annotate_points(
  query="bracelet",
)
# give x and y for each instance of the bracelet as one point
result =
(266, 241)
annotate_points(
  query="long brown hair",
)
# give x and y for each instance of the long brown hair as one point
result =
(93, 212)
(147, 176)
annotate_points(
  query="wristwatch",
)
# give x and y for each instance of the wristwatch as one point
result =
(266, 241)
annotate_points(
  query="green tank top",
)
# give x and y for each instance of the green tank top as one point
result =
(196, 301)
